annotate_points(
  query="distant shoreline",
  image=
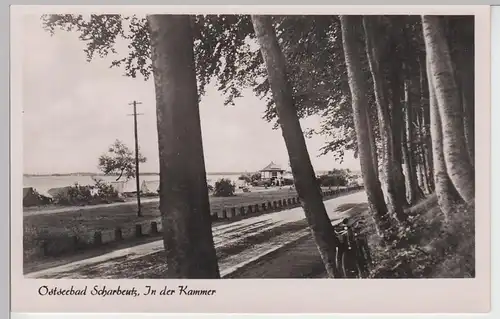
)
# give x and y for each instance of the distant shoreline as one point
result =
(101, 174)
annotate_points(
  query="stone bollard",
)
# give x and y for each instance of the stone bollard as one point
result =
(97, 238)
(224, 213)
(118, 234)
(154, 228)
(138, 230)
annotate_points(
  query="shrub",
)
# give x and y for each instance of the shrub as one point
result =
(245, 178)
(105, 191)
(75, 195)
(224, 188)
(101, 192)
(266, 183)
(332, 180)
(38, 199)
(210, 188)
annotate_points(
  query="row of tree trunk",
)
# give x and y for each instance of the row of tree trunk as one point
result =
(425, 122)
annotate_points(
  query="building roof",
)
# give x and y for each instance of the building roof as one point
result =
(272, 168)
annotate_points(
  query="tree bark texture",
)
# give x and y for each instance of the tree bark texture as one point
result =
(445, 191)
(351, 28)
(395, 204)
(184, 204)
(305, 179)
(458, 165)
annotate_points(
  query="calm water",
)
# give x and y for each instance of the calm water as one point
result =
(43, 183)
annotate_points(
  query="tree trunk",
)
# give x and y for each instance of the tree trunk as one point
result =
(373, 144)
(445, 191)
(396, 121)
(459, 167)
(395, 205)
(351, 28)
(408, 152)
(184, 205)
(463, 41)
(425, 120)
(305, 179)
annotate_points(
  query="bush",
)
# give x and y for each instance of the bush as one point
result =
(75, 195)
(224, 188)
(245, 178)
(105, 191)
(99, 193)
(430, 246)
(262, 183)
(332, 180)
(37, 199)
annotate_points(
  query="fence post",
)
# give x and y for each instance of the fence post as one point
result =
(138, 230)
(97, 238)
(118, 234)
(154, 228)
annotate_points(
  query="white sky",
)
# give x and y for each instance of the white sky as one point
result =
(74, 109)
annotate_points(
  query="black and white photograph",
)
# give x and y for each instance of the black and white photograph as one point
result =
(216, 146)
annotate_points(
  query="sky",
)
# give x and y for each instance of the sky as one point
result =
(74, 109)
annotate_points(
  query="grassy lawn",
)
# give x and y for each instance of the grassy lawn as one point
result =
(37, 228)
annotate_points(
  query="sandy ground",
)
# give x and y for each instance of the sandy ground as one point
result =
(237, 244)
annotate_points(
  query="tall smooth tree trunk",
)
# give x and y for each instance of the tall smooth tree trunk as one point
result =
(463, 52)
(414, 192)
(395, 205)
(351, 29)
(305, 179)
(425, 121)
(458, 165)
(373, 144)
(184, 205)
(396, 121)
(446, 193)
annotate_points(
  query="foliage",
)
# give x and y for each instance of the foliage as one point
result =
(119, 160)
(262, 183)
(245, 177)
(226, 53)
(335, 177)
(105, 192)
(40, 200)
(224, 188)
(74, 195)
(100, 192)
(250, 178)
(210, 188)
(429, 246)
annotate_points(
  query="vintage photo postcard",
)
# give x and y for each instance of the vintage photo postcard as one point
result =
(250, 159)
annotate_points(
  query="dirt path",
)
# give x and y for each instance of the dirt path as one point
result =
(236, 243)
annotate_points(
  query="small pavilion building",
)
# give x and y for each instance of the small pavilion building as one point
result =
(273, 172)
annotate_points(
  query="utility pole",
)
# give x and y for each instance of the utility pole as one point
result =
(137, 182)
